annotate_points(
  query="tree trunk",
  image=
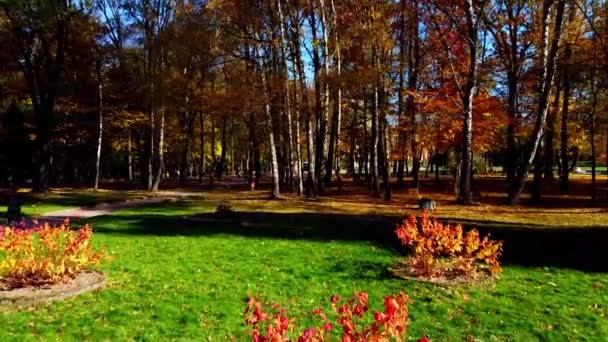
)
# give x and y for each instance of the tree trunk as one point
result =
(575, 155)
(334, 142)
(273, 150)
(100, 126)
(564, 181)
(323, 136)
(43, 160)
(186, 148)
(201, 165)
(412, 87)
(319, 130)
(549, 135)
(375, 136)
(129, 156)
(592, 138)
(549, 56)
(331, 149)
(537, 182)
(298, 111)
(351, 152)
(339, 85)
(384, 152)
(161, 160)
(400, 89)
(428, 165)
(311, 180)
(151, 133)
(295, 168)
(436, 167)
(365, 150)
(513, 113)
(219, 171)
(464, 192)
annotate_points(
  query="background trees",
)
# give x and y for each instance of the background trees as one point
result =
(305, 91)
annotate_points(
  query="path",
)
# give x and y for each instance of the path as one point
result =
(107, 208)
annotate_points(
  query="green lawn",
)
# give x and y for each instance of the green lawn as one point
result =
(174, 279)
(599, 167)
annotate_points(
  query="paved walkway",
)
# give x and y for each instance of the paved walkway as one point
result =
(104, 209)
(58, 216)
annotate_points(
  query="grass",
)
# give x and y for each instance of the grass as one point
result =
(599, 167)
(183, 280)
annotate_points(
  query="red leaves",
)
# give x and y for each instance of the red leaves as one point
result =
(44, 254)
(387, 326)
(430, 240)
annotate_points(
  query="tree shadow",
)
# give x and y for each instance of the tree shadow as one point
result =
(526, 245)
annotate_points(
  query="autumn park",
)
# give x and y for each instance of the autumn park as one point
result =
(304, 170)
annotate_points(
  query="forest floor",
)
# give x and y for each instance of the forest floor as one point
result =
(177, 265)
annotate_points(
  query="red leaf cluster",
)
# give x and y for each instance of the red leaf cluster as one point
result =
(432, 242)
(349, 314)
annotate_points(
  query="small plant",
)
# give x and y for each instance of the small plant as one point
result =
(44, 254)
(350, 316)
(445, 250)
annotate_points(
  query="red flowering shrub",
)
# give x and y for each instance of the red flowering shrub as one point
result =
(44, 254)
(350, 314)
(440, 249)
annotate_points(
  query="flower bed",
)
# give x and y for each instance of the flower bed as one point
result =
(44, 254)
(444, 253)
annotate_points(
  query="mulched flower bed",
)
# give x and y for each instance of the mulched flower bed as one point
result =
(447, 277)
(84, 281)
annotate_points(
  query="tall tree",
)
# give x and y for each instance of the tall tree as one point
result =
(509, 24)
(548, 53)
(40, 29)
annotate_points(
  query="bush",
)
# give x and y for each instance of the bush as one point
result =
(350, 316)
(44, 254)
(440, 249)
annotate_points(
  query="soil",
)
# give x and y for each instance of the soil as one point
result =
(84, 281)
(404, 271)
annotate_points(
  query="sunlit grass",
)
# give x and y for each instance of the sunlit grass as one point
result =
(172, 280)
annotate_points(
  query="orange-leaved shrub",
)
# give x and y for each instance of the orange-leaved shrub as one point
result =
(443, 249)
(349, 316)
(44, 254)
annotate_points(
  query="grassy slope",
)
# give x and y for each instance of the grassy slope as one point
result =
(174, 281)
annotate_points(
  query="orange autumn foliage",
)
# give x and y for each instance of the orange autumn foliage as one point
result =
(44, 254)
(440, 249)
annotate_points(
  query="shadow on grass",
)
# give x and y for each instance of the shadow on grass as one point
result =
(526, 245)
